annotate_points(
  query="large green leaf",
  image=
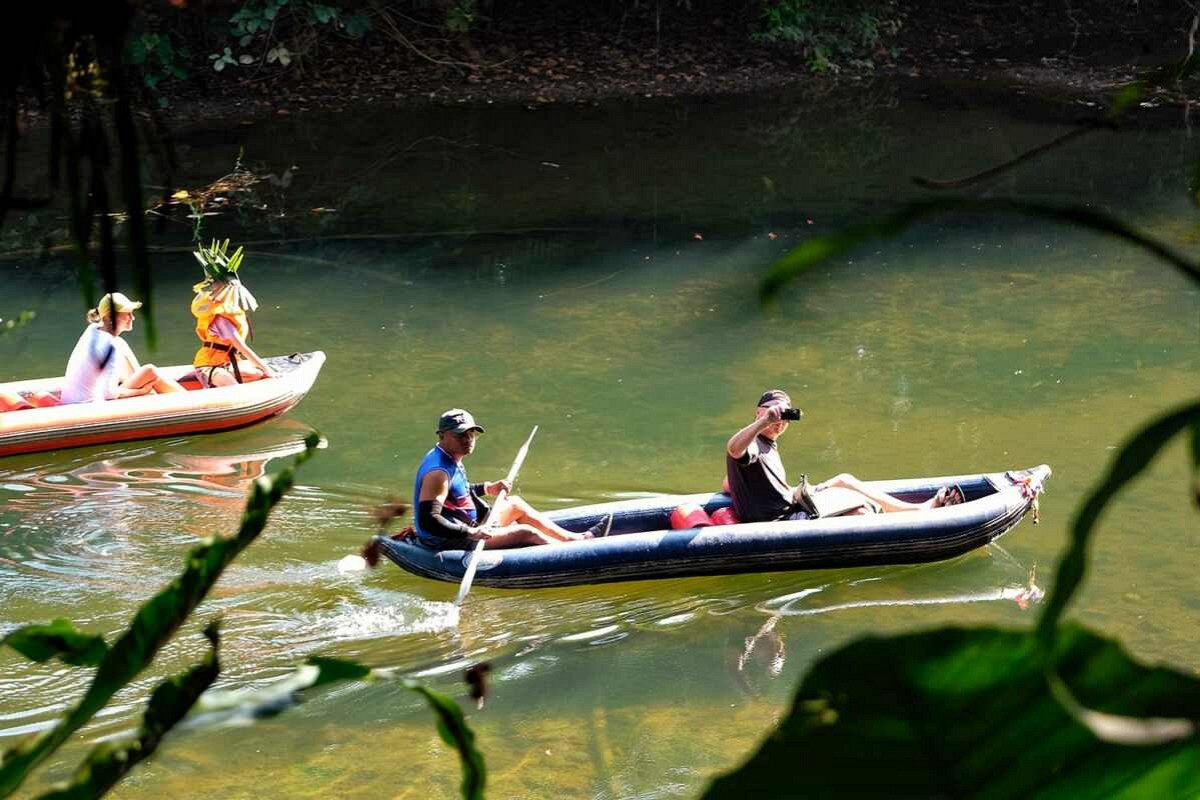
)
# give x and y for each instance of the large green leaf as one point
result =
(968, 713)
(1133, 457)
(111, 761)
(153, 625)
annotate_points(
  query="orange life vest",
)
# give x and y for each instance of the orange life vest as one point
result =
(214, 350)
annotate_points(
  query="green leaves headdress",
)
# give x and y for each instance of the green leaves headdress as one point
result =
(220, 267)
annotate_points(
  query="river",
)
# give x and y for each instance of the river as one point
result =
(593, 270)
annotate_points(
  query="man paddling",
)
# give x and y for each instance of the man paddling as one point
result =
(759, 487)
(450, 508)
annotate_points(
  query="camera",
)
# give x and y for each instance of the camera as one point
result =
(791, 414)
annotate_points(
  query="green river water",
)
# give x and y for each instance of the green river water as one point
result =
(593, 271)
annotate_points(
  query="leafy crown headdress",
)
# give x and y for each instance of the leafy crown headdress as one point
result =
(219, 267)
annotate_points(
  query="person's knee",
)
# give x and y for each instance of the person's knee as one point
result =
(519, 504)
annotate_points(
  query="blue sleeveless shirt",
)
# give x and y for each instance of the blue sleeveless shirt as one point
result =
(459, 505)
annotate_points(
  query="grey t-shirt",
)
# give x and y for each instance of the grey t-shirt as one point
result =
(758, 482)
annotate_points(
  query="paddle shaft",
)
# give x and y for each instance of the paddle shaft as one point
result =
(492, 516)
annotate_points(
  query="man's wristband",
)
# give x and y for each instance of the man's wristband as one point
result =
(479, 488)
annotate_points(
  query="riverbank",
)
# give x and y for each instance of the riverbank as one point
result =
(1073, 56)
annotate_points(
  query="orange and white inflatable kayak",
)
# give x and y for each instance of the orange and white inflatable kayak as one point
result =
(197, 410)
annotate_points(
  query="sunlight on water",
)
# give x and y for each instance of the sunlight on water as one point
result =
(967, 345)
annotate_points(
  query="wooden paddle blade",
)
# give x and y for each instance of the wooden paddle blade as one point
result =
(469, 575)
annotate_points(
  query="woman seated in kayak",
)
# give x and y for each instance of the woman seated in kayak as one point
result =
(220, 307)
(102, 366)
(760, 490)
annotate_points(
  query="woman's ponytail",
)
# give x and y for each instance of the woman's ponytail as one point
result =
(93, 315)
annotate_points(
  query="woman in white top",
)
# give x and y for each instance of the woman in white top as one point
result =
(102, 367)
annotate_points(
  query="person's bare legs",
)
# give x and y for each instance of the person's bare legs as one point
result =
(516, 511)
(148, 375)
(11, 401)
(882, 499)
(524, 536)
(42, 399)
(225, 377)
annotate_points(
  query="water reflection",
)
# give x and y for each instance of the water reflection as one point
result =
(773, 651)
(138, 471)
(887, 591)
(113, 518)
(764, 652)
(554, 622)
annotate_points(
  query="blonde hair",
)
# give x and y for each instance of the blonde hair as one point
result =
(111, 305)
(95, 317)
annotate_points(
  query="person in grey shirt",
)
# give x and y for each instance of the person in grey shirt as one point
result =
(758, 482)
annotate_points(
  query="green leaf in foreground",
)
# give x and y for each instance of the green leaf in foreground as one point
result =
(154, 624)
(109, 762)
(319, 671)
(454, 732)
(1196, 461)
(1133, 457)
(812, 252)
(954, 713)
(60, 639)
(10, 325)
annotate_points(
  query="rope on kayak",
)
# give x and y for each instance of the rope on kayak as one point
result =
(1030, 487)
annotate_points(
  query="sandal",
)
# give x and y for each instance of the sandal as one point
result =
(600, 529)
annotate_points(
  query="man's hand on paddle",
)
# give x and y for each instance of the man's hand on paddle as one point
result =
(494, 487)
(478, 534)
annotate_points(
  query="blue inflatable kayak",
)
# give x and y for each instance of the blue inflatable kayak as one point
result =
(640, 545)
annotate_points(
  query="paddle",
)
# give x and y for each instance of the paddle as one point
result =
(469, 575)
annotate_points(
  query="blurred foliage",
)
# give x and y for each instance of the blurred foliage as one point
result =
(1059, 711)
(9, 325)
(155, 624)
(966, 713)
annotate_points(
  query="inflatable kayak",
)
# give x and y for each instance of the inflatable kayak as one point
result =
(197, 410)
(641, 546)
